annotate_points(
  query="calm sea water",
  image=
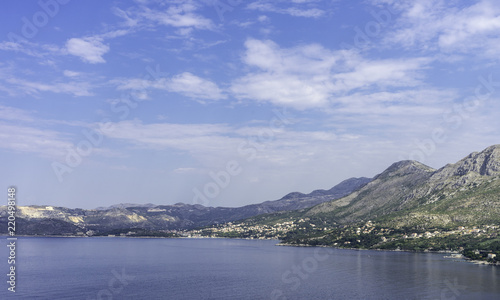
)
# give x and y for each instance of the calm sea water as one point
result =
(127, 268)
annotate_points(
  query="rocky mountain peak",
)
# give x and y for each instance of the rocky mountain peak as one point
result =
(403, 168)
(293, 195)
(484, 163)
(410, 185)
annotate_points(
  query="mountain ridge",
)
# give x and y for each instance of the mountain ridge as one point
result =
(408, 206)
(407, 193)
(407, 184)
(45, 219)
(410, 192)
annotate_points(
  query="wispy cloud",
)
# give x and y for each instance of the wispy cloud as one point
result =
(25, 132)
(26, 139)
(311, 76)
(186, 84)
(200, 140)
(213, 144)
(299, 10)
(31, 49)
(69, 73)
(89, 49)
(297, 77)
(16, 47)
(194, 87)
(440, 25)
(15, 114)
(92, 49)
(182, 15)
(34, 87)
(424, 102)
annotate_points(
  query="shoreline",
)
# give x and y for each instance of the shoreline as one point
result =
(458, 258)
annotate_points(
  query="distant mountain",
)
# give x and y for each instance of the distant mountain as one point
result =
(125, 205)
(407, 194)
(296, 200)
(48, 220)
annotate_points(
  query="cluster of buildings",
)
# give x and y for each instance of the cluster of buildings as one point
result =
(487, 230)
(345, 235)
(278, 230)
(251, 231)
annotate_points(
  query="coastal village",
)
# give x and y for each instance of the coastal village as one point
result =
(279, 230)
(245, 230)
(366, 236)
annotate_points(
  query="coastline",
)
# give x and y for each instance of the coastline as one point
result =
(454, 254)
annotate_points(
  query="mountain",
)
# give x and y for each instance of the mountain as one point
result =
(296, 200)
(123, 217)
(409, 206)
(125, 205)
(407, 194)
(387, 192)
(410, 193)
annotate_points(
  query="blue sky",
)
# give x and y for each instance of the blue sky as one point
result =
(227, 103)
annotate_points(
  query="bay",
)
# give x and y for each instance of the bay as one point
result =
(136, 268)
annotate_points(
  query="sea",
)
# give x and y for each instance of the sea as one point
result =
(150, 268)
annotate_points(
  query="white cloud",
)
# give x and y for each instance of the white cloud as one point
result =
(296, 77)
(46, 143)
(14, 114)
(183, 15)
(197, 139)
(295, 11)
(398, 105)
(263, 18)
(24, 132)
(383, 73)
(434, 25)
(89, 49)
(69, 73)
(113, 34)
(32, 49)
(310, 76)
(186, 84)
(33, 87)
(180, 14)
(215, 144)
(194, 87)
(10, 46)
(128, 20)
(282, 90)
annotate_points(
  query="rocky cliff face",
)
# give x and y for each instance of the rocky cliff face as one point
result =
(473, 168)
(485, 163)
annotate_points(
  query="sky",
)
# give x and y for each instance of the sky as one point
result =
(229, 103)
